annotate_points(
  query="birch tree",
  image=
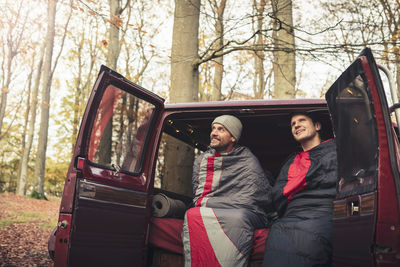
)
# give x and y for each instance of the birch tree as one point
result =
(45, 98)
(23, 172)
(184, 88)
(47, 78)
(25, 123)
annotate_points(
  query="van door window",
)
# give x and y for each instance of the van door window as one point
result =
(357, 139)
(119, 131)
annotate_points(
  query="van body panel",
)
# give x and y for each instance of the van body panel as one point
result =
(367, 200)
(106, 200)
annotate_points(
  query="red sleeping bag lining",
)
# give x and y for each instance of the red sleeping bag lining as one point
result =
(165, 233)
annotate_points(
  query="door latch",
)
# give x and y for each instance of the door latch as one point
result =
(354, 207)
(63, 224)
(117, 170)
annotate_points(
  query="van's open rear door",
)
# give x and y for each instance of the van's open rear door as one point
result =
(105, 205)
(366, 210)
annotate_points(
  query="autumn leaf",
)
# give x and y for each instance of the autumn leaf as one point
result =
(25, 226)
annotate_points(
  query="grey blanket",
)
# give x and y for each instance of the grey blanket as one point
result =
(232, 194)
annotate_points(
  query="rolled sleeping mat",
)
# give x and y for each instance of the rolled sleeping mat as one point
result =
(164, 206)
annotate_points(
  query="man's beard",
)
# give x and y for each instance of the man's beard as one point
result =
(220, 147)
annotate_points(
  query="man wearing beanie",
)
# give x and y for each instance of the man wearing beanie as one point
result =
(231, 198)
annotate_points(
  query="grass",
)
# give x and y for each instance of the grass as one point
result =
(16, 209)
(41, 220)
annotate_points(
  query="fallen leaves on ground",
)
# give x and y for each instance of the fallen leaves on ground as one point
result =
(27, 226)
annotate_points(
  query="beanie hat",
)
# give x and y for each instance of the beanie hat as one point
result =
(231, 123)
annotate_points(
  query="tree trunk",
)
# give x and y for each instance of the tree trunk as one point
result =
(184, 88)
(4, 95)
(45, 105)
(284, 64)
(83, 79)
(184, 72)
(5, 86)
(24, 131)
(113, 34)
(398, 77)
(259, 57)
(23, 172)
(112, 59)
(219, 62)
(77, 95)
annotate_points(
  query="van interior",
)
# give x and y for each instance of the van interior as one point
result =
(266, 132)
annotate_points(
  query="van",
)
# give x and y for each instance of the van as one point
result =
(108, 213)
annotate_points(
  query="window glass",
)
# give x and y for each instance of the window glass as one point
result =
(356, 136)
(120, 130)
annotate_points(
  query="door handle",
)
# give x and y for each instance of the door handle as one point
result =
(354, 207)
(117, 169)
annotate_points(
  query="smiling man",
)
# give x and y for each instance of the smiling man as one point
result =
(221, 139)
(305, 131)
(231, 197)
(303, 197)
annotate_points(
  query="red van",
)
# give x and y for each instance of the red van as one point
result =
(106, 216)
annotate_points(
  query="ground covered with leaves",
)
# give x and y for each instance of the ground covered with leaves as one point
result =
(25, 226)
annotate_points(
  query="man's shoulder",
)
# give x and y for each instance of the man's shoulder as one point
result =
(245, 153)
(329, 142)
(209, 152)
(328, 146)
(325, 152)
(242, 149)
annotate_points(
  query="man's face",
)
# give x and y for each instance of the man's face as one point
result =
(221, 139)
(303, 128)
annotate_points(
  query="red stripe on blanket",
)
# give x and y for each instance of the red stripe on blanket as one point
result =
(165, 233)
(201, 251)
(297, 174)
(209, 180)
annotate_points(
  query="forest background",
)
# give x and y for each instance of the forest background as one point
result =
(182, 50)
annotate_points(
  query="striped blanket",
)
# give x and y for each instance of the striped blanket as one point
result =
(231, 196)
